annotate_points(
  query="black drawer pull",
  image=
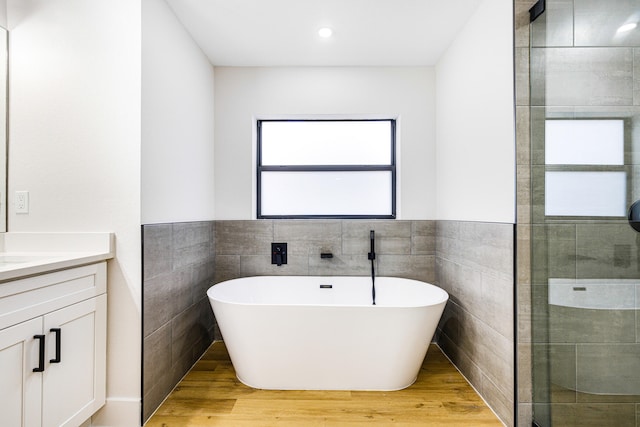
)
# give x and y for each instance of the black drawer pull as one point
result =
(40, 367)
(58, 333)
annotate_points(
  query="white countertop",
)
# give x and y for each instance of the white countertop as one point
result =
(27, 254)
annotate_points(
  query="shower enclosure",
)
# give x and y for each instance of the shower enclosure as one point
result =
(585, 261)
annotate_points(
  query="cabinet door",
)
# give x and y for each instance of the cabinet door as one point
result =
(20, 387)
(74, 378)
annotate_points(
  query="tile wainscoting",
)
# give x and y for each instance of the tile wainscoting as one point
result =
(474, 264)
(472, 261)
(403, 248)
(178, 325)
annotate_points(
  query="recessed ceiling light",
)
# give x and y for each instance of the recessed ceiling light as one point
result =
(627, 27)
(325, 32)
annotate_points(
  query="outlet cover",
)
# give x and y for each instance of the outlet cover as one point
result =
(22, 202)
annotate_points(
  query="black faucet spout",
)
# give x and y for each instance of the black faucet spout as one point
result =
(372, 237)
(372, 257)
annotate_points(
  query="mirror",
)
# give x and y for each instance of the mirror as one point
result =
(4, 49)
(4, 102)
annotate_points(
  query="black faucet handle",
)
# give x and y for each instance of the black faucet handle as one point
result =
(278, 253)
(372, 236)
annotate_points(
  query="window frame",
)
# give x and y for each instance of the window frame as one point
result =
(624, 167)
(392, 168)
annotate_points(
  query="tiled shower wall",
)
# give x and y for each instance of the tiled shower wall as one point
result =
(585, 360)
(474, 264)
(178, 325)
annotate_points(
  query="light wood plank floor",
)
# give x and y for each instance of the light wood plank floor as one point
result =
(211, 395)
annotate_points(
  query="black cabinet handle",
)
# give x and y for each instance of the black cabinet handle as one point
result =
(40, 367)
(58, 333)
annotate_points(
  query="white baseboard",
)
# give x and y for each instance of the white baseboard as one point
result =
(118, 412)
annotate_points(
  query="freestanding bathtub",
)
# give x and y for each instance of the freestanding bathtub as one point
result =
(323, 333)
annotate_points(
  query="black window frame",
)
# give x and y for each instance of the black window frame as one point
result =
(392, 167)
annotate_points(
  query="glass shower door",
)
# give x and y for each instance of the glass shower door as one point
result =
(585, 149)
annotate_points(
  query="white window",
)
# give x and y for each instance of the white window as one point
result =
(326, 169)
(585, 174)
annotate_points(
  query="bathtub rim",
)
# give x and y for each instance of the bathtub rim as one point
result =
(443, 295)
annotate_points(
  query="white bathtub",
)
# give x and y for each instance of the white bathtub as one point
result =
(289, 333)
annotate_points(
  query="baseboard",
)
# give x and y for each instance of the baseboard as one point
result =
(118, 412)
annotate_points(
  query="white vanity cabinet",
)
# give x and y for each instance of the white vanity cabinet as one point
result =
(53, 347)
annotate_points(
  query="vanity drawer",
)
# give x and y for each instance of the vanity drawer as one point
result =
(24, 299)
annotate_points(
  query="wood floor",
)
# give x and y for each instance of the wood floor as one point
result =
(211, 395)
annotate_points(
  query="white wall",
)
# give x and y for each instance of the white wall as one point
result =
(3, 13)
(177, 121)
(75, 146)
(244, 93)
(475, 120)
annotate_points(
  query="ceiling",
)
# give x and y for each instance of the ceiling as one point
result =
(285, 32)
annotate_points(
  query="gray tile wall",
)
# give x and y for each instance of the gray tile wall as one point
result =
(581, 71)
(586, 360)
(403, 248)
(178, 325)
(474, 264)
(472, 261)
(608, 73)
(522, 41)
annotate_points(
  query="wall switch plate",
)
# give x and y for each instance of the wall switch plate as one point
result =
(22, 202)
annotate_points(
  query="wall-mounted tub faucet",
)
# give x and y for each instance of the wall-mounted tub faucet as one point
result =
(278, 253)
(372, 257)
